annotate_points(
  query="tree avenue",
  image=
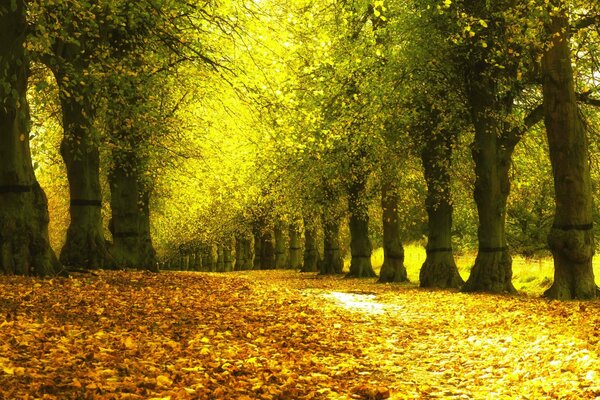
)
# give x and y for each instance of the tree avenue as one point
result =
(323, 136)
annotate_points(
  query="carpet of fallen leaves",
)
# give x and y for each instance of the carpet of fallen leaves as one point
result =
(286, 335)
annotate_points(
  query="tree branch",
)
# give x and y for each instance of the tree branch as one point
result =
(534, 116)
(586, 99)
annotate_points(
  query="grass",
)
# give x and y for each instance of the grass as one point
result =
(530, 275)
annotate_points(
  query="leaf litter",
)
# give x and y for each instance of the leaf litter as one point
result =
(286, 335)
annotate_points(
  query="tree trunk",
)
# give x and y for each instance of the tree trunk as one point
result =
(393, 269)
(439, 269)
(227, 257)
(213, 258)
(240, 253)
(256, 232)
(333, 262)
(571, 239)
(197, 259)
(85, 246)
(267, 255)
(130, 222)
(360, 244)
(24, 243)
(220, 258)
(295, 250)
(312, 258)
(249, 248)
(206, 258)
(492, 271)
(280, 246)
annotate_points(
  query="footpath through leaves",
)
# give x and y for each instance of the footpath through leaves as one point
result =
(285, 335)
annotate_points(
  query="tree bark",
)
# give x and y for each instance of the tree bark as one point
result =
(312, 258)
(130, 222)
(295, 248)
(243, 255)
(85, 246)
(492, 154)
(393, 269)
(24, 243)
(256, 232)
(267, 257)
(333, 262)
(571, 239)
(360, 244)
(227, 257)
(220, 258)
(439, 269)
(280, 246)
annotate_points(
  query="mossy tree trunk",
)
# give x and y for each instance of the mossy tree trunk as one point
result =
(571, 239)
(439, 269)
(227, 256)
(220, 258)
(492, 151)
(267, 248)
(295, 248)
(213, 258)
(257, 234)
(360, 244)
(243, 255)
(333, 262)
(130, 222)
(85, 246)
(393, 269)
(24, 245)
(312, 258)
(206, 258)
(281, 261)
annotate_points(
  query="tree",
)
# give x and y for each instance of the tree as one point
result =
(492, 54)
(24, 245)
(571, 239)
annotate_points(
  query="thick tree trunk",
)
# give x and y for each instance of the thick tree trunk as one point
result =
(256, 232)
(295, 249)
(571, 239)
(393, 269)
(492, 271)
(439, 269)
(249, 249)
(333, 262)
(85, 246)
(281, 261)
(130, 222)
(220, 258)
(213, 258)
(206, 258)
(197, 257)
(242, 254)
(360, 244)
(312, 258)
(24, 245)
(227, 257)
(267, 256)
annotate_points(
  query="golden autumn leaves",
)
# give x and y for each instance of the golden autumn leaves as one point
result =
(285, 335)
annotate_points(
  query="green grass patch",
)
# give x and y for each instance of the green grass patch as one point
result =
(530, 275)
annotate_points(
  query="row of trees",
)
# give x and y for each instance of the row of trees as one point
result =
(315, 113)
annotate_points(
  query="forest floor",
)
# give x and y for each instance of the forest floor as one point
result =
(286, 335)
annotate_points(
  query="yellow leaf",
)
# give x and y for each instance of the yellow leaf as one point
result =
(163, 381)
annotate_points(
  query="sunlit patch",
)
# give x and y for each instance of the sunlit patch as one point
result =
(364, 303)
